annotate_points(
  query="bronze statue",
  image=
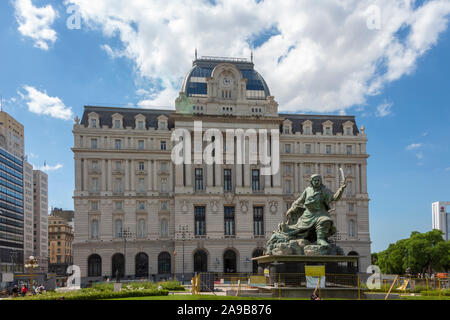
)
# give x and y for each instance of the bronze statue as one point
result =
(308, 222)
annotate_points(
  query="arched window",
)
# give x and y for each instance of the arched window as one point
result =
(351, 228)
(118, 265)
(256, 253)
(94, 266)
(94, 229)
(164, 263)
(229, 262)
(118, 228)
(164, 228)
(141, 263)
(142, 230)
(200, 261)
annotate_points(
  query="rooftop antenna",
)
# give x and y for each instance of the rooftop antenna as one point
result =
(252, 56)
(195, 53)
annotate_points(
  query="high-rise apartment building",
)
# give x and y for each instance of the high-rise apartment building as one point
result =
(11, 135)
(441, 217)
(28, 205)
(40, 218)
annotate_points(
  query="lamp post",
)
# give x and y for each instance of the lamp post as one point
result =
(182, 231)
(32, 264)
(125, 234)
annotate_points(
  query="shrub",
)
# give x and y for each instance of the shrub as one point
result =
(172, 285)
(92, 294)
(435, 293)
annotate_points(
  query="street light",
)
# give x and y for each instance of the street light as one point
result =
(31, 263)
(182, 231)
(124, 234)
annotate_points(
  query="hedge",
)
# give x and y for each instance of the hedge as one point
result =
(92, 294)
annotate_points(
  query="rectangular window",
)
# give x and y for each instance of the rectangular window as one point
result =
(200, 221)
(349, 150)
(308, 169)
(198, 179)
(117, 124)
(328, 149)
(94, 206)
(141, 166)
(141, 144)
(308, 148)
(328, 131)
(140, 125)
(118, 165)
(227, 182)
(229, 221)
(94, 123)
(328, 169)
(163, 146)
(287, 169)
(141, 185)
(287, 148)
(94, 164)
(118, 205)
(118, 185)
(95, 185)
(118, 144)
(308, 130)
(351, 207)
(256, 186)
(348, 131)
(93, 143)
(163, 167)
(287, 187)
(141, 205)
(258, 221)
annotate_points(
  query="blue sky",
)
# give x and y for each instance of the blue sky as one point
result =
(407, 117)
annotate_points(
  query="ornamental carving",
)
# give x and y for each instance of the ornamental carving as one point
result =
(244, 206)
(273, 206)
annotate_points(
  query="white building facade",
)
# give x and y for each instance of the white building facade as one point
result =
(40, 219)
(441, 217)
(139, 215)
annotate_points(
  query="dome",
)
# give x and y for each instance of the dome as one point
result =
(194, 84)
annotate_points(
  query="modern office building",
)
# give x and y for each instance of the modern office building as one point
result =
(40, 219)
(137, 214)
(11, 212)
(441, 217)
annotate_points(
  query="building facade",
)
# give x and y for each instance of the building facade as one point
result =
(11, 212)
(28, 204)
(40, 219)
(137, 214)
(60, 238)
(441, 217)
(11, 135)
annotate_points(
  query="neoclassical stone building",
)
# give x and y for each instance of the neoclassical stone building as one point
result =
(139, 215)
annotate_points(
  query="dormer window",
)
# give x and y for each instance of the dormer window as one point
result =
(163, 122)
(140, 122)
(287, 127)
(117, 124)
(94, 121)
(328, 128)
(140, 125)
(307, 127)
(348, 128)
(117, 121)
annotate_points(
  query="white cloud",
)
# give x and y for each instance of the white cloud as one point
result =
(324, 58)
(39, 102)
(47, 168)
(414, 146)
(384, 109)
(36, 23)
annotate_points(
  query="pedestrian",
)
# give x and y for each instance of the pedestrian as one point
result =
(24, 290)
(15, 291)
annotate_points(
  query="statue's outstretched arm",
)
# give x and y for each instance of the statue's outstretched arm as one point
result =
(338, 195)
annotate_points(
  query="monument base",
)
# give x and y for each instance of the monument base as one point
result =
(287, 278)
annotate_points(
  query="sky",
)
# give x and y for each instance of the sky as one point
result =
(384, 61)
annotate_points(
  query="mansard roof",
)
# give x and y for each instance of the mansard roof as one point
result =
(318, 120)
(128, 114)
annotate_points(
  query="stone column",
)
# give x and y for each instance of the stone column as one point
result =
(104, 173)
(78, 175)
(238, 175)
(127, 175)
(209, 175)
(109, 175)
(85, 175)
(188, 173)
(218, 175)
(133, 176)
(300, 177)
(296, 181)
(358, 187)
(149, 175)
(155, 176)
(364, 178)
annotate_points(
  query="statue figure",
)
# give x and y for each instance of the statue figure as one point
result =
(308, 220)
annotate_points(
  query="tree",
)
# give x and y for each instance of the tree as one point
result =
(421, 252)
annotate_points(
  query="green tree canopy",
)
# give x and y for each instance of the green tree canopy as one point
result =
(421, 252)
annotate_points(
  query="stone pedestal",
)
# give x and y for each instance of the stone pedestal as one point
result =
(287, 273)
